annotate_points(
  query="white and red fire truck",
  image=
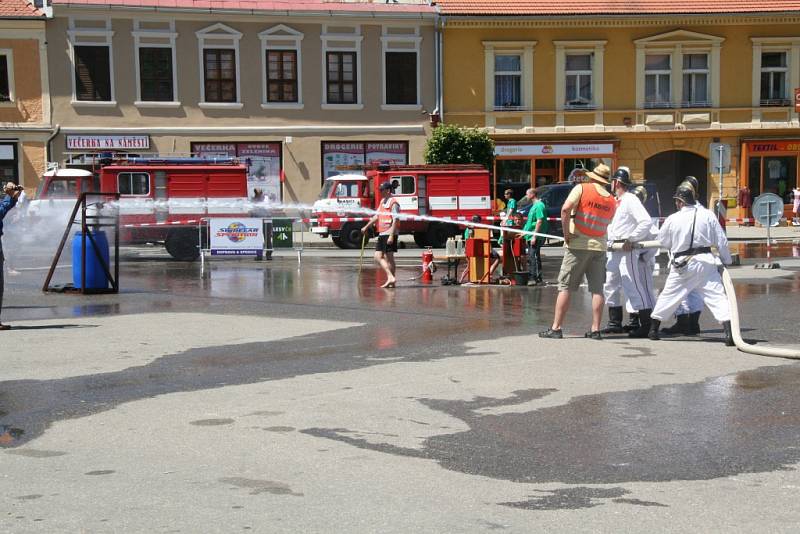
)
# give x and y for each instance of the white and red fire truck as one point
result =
(443, 191)
(161, 199)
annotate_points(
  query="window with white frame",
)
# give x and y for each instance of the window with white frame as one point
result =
(507, 81)
(658, 81)
(90, 48)
(695, 80)
(341, 49)
(219, 66)
(282, 67)
(6, 76)
(156, 76)
(578, 79)
(774, 75)
(401, 69)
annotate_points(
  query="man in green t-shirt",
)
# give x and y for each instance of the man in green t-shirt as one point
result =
(511, 204)
(537, 222)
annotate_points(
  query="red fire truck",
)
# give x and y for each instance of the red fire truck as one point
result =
(442, 191)
(159, 196)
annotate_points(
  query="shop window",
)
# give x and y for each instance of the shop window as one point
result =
(219, 74)
(512, 172)
(401, 78)
(282, 76)
(773, 174)
(774, 71)
(133, 183)
(657, 81)
(155, 74)
(92, 73)
(5, 78)
(546, 172)
(695, 80)
(507, 81)
(578, 72)
(9, 164)
(341, 78)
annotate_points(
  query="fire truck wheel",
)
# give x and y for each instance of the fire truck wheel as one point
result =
(437, 234)
(337, 241)
(350, 236)
(182, 244)
(421, 239)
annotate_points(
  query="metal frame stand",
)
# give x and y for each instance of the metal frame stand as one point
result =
(89, 222)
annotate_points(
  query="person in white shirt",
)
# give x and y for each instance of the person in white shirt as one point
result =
(631, 224)
(689, 235)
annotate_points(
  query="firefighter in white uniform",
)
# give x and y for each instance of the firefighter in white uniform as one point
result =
(687, 316)
(647, 264)
(631, 224)
(689, 235)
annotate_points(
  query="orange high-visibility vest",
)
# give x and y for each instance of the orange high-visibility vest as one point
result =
(385, 216)
(594, 212)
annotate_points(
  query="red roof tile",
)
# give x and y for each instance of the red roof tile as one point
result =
(19, 9)
(263, 5)
(611, 7)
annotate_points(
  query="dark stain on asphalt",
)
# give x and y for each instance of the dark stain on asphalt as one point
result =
(211, 422)
(257, 487)
(279, 428)
(567, 498)
(29, 497)
(748, 422)
(34, 453)
(101, 472)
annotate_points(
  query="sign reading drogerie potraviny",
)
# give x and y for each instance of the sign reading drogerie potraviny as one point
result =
(235, 237)
(107, 142)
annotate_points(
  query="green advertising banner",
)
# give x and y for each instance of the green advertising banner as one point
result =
(282, 233)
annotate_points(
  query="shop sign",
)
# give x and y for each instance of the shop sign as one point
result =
(263, 162)
(107, 142)
(583, 149)
(236, 237)
(773, 146)
(337, 154)
(797, 100)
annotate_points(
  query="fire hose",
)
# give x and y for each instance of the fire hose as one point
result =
(727, 282)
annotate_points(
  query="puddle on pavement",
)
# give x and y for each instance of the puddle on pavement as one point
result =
(743, 423)
(781, 249)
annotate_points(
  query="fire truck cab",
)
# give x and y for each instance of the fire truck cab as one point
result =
(429, 194)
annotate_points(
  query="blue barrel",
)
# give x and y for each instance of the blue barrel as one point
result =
(95, 276)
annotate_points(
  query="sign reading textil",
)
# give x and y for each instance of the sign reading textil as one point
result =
(107, 142)
(236, 237)
(584, 149)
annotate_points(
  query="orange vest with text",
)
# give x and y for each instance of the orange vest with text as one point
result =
(594, 212)
(385, 216)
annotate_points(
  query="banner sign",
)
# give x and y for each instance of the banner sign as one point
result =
(584, 149)
(282, 233)
(336, 154)
(236, 237)
(107, 142)
(773, 146)
(263, 162)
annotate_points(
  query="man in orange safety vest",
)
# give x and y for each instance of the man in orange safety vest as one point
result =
(386, 223)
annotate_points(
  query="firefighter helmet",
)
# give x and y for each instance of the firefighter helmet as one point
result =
(623, 176)
(685, 194)
(691, 180)
(641, 193)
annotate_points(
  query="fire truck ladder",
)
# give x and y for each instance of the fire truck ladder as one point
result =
(89, 222)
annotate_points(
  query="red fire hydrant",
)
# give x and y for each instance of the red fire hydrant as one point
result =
(427, 265)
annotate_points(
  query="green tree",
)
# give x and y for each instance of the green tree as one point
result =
(456, 144)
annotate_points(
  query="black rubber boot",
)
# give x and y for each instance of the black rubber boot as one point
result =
(644, 327)
(694, 323)
(681, 325)
(633, 322)
(655, 325)
(614, 321)
(726, 326)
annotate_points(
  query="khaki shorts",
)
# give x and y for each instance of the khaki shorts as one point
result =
(578, 263)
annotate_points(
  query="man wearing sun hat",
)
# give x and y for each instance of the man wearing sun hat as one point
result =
(585, 217)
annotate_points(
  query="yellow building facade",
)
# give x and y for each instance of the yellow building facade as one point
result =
(24, 97)
(656, 94)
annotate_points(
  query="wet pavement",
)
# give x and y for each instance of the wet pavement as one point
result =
(267, 396)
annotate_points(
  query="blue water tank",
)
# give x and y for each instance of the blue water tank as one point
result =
(95, 276)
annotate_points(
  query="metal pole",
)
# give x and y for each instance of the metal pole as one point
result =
(720, 149)
(769, 224)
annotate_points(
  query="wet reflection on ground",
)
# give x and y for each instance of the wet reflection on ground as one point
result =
(781, 249)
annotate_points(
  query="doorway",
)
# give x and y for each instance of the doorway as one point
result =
(668, 169)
